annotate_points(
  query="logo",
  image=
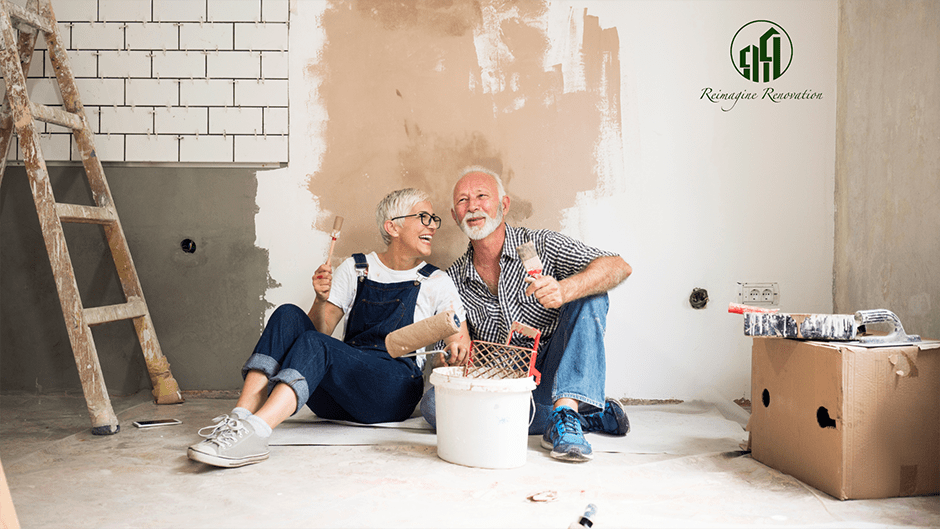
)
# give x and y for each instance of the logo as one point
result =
(761, 51)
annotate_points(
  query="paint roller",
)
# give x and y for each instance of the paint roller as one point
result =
(337, 226)
(419, 334)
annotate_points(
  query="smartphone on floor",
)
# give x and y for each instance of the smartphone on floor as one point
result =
(152, 423)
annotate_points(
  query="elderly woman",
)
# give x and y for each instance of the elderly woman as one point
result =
(297, 362)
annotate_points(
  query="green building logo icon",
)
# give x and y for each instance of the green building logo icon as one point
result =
(761, 51)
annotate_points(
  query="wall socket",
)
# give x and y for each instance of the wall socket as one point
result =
(765, 294)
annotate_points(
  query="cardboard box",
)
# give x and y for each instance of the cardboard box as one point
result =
(854, 422)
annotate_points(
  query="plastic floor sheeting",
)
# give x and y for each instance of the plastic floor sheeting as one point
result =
(681, 466)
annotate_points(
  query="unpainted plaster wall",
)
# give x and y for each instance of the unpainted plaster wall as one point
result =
(888, 161)
(206, 306)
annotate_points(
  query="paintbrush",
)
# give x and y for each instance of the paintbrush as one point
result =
(530, 260)
(337, 226)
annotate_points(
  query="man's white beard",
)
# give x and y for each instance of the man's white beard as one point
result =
(488, 227)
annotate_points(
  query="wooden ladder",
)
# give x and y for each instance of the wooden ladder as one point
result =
(19, 112)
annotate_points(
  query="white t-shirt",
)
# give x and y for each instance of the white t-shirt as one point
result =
(437, 293)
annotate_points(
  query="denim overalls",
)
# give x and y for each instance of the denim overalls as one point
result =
(354, 380)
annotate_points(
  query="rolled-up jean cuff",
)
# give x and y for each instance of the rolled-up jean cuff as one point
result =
(587, 406)
(260, 362)
(296, 381)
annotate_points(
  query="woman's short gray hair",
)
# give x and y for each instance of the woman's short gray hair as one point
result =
(396, 204)
(480, 169)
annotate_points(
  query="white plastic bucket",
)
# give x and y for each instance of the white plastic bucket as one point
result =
(481, 422)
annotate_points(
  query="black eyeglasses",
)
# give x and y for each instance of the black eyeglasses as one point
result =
(425, 217)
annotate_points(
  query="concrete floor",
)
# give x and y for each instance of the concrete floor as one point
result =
(62, 476)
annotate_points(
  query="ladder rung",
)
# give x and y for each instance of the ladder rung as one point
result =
(56, 116)
(30, 18)
(84, 214)
(134, 308)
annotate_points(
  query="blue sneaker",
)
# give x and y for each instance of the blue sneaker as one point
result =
(565, 438)
(613, 420)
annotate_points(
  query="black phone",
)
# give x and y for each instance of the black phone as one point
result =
(156, 422)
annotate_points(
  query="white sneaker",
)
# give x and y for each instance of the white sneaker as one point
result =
(231, 443)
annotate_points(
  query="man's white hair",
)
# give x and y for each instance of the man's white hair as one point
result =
(480, 169)
(397, 204)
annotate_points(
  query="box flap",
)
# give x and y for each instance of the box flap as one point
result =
(892, 411)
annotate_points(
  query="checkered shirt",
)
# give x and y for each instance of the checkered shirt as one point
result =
(489, 317)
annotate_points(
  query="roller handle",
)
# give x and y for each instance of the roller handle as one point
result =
(422, 353)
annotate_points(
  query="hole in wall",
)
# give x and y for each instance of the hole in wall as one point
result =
(188, 245)
(765, 398)
(822, 417)
(699, 298)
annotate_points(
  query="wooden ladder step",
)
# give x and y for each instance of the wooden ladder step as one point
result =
(48, 114)
(58, 117)
(85, 214)
(134, 308)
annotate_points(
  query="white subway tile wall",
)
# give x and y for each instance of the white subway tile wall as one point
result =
(151, 148)
(187, 81)
(254, 149)
(207, 148)
(140, 36)
(124, 120)
(236, 120)
(234, 10)
(275, 121)
(127, 10)
(108, 148)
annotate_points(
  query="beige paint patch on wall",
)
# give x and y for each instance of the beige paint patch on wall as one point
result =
(417, 90)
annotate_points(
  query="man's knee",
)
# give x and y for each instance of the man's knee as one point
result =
(591, 311)
(429, 408)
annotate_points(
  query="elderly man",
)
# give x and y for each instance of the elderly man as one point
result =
(568, 303)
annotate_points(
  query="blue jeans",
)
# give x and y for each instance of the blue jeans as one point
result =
(337, 381)
(573, 363)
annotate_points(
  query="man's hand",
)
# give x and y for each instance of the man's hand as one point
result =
(601, 275)
(323, 281)
(547, 291)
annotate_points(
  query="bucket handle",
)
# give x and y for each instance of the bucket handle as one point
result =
(532, 402)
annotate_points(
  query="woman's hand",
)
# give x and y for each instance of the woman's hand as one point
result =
(458, 345)
(323, 281)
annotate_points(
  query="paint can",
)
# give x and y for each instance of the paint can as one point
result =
(481, 422)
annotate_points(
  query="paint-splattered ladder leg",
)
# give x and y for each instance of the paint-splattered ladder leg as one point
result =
(26, 45)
